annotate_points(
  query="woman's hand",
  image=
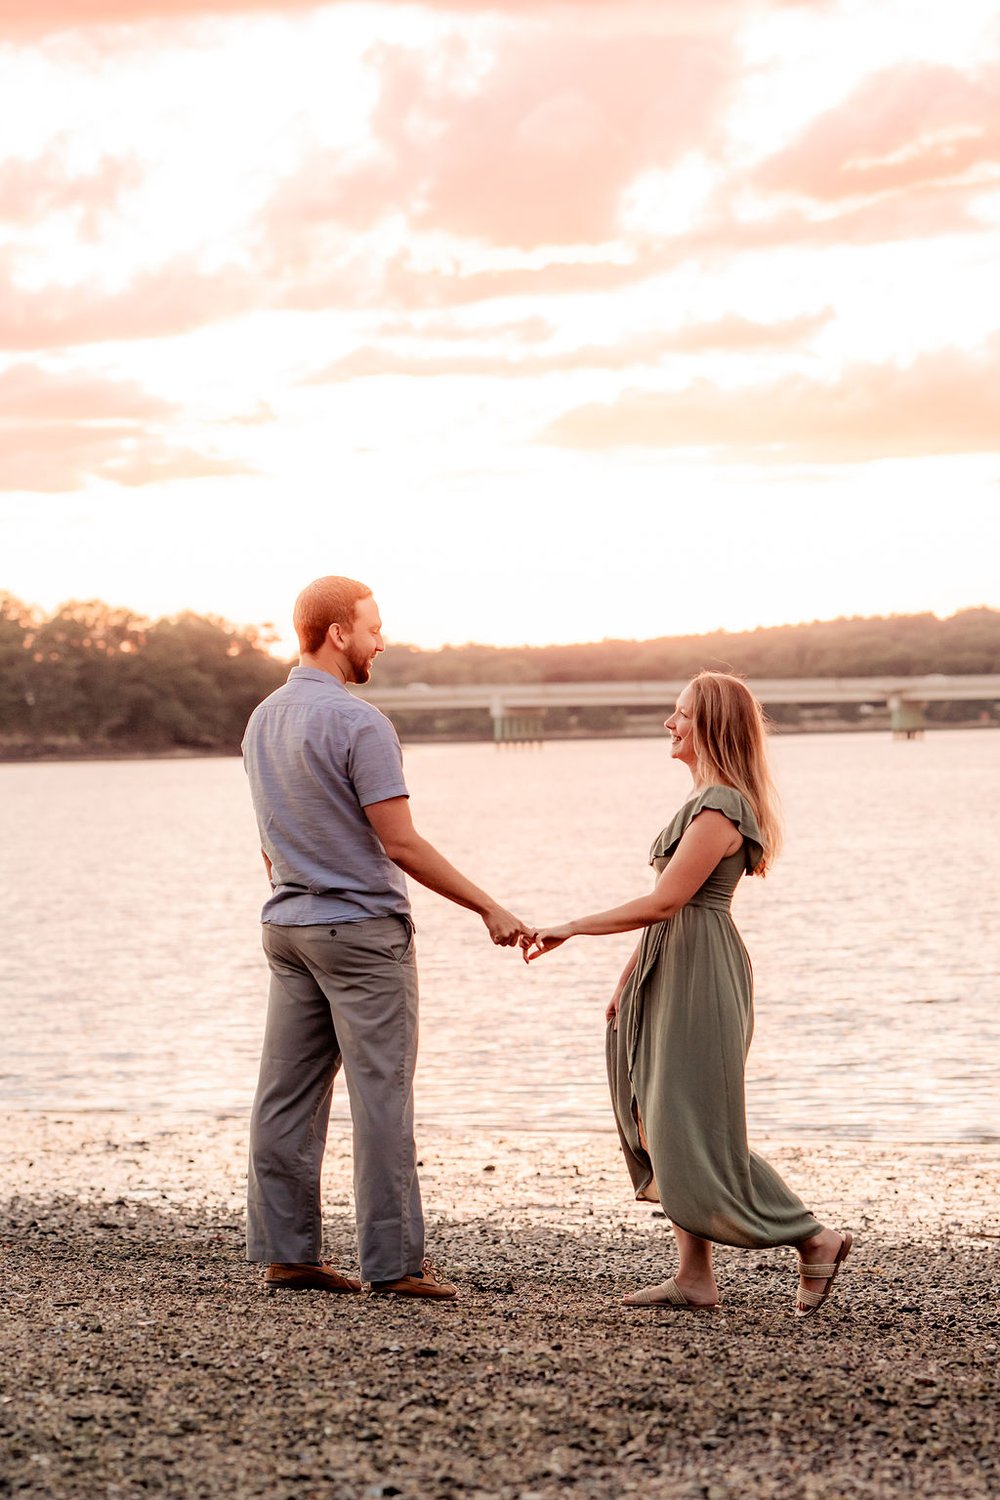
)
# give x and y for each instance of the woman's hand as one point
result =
(544, 940)
(611, 1014)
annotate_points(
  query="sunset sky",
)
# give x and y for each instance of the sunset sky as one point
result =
(552, 321)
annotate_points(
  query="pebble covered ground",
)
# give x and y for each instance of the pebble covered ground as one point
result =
(141, 1355)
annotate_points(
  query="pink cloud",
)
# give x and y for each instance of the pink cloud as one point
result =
(924, 213)
(532, 330)
(734, 333)
(174, 299)
(31, 189)
(27, 391)
(406, 285)
(538, 153)
(439, 165)
(33, 17)
(731, 334)
(941, 403)
(401, 283)
(54, 457)
(154, 462)
(902, 128)
(179, 297)
(57, 457)
(57, 430)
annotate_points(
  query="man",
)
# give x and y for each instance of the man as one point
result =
(336, 834)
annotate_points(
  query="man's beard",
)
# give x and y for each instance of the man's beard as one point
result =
(360, 666)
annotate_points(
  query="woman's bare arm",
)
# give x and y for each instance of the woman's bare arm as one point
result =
(708, 839)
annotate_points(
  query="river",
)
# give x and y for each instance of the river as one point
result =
(134, 978)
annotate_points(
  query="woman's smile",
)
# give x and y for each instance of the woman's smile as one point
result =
(679, 725)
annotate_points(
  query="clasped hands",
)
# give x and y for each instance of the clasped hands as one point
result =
(507, 931)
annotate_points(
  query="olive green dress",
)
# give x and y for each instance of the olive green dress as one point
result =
(675, 1063)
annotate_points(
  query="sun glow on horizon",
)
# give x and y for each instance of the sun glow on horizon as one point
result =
(526, 574)
(599, 320)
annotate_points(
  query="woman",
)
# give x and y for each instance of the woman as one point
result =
(681, 1017)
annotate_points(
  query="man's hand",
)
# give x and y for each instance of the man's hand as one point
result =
(504, 928)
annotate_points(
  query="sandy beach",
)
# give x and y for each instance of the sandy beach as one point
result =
(142, 1355)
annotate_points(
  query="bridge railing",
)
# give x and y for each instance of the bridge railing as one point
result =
(517, 709)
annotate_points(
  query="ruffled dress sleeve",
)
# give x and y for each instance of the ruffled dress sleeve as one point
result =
(726, 800)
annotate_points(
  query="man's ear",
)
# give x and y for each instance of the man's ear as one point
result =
(336, 635)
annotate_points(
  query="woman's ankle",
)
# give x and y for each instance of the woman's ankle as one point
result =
(818, 1244)
(701, 1280)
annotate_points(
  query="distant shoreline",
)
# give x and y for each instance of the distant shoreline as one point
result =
(64, 755)
(56, 754)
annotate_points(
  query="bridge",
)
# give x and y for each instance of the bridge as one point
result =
(517, 708)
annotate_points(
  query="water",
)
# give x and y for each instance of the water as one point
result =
(133, 977)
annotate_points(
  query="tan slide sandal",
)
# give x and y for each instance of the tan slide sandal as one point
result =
(667, 1294)
(806, 1303)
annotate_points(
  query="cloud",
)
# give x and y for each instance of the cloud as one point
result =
(731, 334)
(938, 209)
(400, 281)
(926, 213)
(28, 18)
(38, 17)
(29, 392)
(57, 457)
(735, 333)
(537, 152)
(941, 403)
(59, 429)
(154, 462)
(534, 153)
(903, 128)
(173, 299)
(407, 285)
(32, 189)
(533, 330)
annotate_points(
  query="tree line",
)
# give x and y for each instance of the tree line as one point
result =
(91, 678)
(901, 645)
(94, 678)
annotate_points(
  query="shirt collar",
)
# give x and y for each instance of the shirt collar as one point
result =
(316, 674)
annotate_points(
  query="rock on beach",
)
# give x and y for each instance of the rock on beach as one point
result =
(142, 1356)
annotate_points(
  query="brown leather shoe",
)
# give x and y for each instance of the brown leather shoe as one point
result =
(425, 1284)
(303, 1277)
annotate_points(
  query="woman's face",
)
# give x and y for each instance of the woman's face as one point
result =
(680, 728)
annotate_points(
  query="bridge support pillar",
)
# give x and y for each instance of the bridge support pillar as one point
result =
(906, 718)
(522, 727)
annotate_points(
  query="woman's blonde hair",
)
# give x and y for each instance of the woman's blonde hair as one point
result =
(729, 736)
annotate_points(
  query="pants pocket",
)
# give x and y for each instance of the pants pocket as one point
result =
(390, 937)
(403, 944)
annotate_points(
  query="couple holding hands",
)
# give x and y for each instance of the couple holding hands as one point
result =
(337, 837)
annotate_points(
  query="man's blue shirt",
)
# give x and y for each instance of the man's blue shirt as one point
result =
(316, 757)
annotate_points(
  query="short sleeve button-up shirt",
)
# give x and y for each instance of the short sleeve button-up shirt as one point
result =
(316, 757)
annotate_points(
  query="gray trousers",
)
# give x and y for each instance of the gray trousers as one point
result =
(344, 994)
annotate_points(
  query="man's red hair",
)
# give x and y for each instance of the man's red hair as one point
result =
(322, 603)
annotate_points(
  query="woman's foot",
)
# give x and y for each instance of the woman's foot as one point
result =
(827, 1252)
(695, 1293)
